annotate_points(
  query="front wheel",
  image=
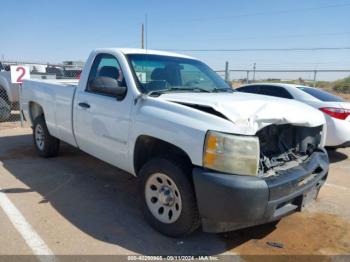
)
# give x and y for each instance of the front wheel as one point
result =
(169, 202)
(45, 144)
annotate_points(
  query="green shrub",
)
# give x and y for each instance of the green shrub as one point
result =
(342, 86)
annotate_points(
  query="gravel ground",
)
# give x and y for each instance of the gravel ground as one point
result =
(79, 205)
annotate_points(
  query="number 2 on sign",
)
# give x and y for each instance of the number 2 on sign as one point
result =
(23, 72)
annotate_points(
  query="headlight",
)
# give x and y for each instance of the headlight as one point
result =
(231, 153)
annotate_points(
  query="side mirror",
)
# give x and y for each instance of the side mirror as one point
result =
(108, 86)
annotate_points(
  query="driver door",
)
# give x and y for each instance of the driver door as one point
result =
(101, 121)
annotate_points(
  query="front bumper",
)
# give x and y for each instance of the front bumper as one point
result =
(228, 202)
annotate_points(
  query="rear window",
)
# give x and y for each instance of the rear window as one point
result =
(248, 89)
(321, 95)
(275, 91)
(267, 90)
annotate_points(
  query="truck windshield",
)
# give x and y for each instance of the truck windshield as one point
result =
(157, 74)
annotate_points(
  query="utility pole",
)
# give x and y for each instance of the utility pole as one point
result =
(227, 73)
(315, 73)
(254, 67)
(146, 31)
(142, 37)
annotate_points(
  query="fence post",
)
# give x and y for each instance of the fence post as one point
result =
(20, 104)
(254, 67)
(227, 73)
(247, 76)
(315, 73)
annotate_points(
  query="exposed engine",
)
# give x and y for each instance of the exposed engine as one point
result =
(285, 146)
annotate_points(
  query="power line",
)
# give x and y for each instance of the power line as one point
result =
(260, 49)
(261, 13)
(252, 37)
(289, 70)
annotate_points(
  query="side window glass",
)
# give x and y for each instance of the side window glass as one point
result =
(275, 91)
(249, 89)
(105, 65)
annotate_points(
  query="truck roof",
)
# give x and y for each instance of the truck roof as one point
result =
(127, 51)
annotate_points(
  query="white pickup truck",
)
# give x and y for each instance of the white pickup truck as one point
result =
(204, 154)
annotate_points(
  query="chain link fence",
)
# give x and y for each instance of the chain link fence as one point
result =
(10, 111)
(5, 108)
(315, 78)
(9, 102)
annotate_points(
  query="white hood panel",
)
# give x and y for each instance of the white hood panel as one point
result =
(253, 112)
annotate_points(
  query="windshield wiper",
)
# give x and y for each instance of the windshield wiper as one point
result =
(162, 91)
(195, 88)
(189, 89)
(217, 90)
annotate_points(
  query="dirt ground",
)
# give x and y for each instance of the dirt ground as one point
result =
(79, 205)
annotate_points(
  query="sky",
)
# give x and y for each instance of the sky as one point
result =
(53, 31)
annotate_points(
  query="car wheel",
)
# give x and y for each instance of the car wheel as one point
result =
(169, 202)
(45, 144)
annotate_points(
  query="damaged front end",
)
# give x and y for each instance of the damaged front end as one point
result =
(293, 167)
(285, 146)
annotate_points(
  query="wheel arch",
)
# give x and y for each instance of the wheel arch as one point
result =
(35, 110)
(147, 147)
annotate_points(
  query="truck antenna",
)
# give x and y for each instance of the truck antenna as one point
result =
(146, 33)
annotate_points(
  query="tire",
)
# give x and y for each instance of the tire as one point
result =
(45, 144)
(168, 198)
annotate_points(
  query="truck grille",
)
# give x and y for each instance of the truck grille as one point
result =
(285, 146)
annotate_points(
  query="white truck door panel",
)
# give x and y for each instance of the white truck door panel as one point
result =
(101, 121)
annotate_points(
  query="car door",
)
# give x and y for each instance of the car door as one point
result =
(101, 121)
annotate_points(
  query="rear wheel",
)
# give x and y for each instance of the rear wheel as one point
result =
(45, 144)
(169, 202)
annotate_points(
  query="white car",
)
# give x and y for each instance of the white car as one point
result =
(336, 109)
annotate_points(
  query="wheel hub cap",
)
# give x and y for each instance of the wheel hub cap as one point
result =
(166, 196)
(163, 198)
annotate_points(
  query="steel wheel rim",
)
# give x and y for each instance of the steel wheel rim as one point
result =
(163, 198)
(39, 137)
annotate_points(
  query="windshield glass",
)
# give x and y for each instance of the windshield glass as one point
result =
(166, 73)
(321, 95)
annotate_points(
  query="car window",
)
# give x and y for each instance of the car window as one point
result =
(167, 73)
(276, 91)
(105, 65)
(254, 89)
(321, 95)
(192, 76)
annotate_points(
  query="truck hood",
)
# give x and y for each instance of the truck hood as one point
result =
(251, 112)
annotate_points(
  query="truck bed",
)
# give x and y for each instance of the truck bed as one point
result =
(56, 99)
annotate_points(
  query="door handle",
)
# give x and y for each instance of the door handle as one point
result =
(84, 105)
